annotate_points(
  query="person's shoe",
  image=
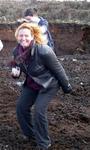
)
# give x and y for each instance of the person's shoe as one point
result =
(32, 140)
(43, 148)
(22, 137)
(27, 139)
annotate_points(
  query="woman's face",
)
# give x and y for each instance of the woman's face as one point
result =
(24, 37)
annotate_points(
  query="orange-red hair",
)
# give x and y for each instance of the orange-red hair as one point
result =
(35, 31)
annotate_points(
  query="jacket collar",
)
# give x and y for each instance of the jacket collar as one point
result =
(33, 48)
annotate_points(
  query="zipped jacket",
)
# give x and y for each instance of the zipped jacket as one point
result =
(44, 68)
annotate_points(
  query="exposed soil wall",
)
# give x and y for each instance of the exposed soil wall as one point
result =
(68, 38)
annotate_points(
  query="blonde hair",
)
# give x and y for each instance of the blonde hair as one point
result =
(35, 31)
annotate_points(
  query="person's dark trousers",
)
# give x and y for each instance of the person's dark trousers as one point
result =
(23, 110)
(39, 125)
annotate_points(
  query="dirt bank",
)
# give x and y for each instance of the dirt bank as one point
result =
(68, 115)
(68, 38)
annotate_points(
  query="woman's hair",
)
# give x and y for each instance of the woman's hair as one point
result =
(35, 31)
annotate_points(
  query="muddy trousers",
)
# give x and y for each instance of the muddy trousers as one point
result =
(33, 122)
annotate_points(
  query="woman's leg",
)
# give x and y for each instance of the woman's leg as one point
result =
(40, 116)
(23, 110)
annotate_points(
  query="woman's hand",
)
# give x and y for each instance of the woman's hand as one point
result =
(15, 72)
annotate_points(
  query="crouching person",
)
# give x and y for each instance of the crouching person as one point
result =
(44, 77)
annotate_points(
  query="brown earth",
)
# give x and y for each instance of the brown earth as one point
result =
(68, 115)
(69, 38)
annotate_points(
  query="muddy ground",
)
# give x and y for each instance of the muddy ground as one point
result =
(68, 115)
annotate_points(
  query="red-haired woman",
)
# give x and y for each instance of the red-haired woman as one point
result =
(44, 76)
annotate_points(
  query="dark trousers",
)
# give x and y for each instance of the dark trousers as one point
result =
(36, 123)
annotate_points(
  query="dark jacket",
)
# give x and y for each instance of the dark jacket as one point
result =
(44, 67)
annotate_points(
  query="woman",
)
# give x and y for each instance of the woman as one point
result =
(31, 15)
(44, 76)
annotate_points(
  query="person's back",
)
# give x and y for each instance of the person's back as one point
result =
(32, 16)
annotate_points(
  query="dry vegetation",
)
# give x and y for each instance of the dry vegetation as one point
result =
(78, 12)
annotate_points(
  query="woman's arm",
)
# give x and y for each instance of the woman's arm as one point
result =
(52, 63)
